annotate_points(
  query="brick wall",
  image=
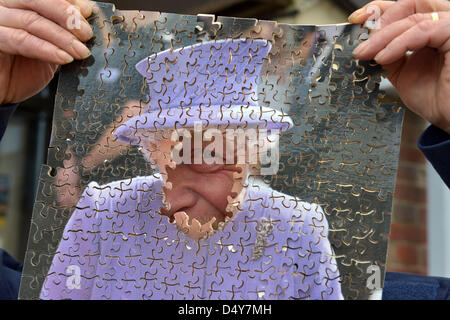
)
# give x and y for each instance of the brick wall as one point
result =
(408, 239)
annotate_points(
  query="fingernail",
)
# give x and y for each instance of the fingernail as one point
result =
(80, 49)
(64, 56)
(380, 56)
(360, 49)
(85, 7)
(356, 15)
(87, 30)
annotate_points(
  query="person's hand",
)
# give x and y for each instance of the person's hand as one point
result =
(35, 37)
(414, 48)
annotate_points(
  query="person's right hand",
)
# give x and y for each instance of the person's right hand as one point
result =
(414, 47)
(35, 37)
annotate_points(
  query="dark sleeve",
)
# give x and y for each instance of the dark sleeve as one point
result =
(404, 286)
(10, 271)
(6, 112)
(435, 145)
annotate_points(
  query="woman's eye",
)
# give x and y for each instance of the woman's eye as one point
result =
(209, 155)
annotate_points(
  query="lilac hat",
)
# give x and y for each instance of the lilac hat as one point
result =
(213, 82)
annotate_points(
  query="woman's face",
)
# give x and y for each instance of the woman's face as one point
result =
(199, 190)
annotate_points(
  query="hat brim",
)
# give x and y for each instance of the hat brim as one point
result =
(213, 116)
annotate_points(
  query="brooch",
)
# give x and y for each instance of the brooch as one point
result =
(264, 229)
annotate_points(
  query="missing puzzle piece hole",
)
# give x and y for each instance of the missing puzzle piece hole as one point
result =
(52, 172)
(195, 213)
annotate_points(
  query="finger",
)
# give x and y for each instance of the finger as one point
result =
(405, 8)
(59, 11)
(428, 33)
(362, 14)
(20, 42)
(85, 6)
(43, 28)
(378, 41)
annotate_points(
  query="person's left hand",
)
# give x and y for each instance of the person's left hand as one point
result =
(415, 49)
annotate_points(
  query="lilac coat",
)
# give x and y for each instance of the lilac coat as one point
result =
(117, 246)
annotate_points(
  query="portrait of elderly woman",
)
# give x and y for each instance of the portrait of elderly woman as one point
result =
(203, 225)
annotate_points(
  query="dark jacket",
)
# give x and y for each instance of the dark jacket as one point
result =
(10, 271)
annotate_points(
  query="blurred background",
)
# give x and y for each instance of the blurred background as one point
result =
(419, 242)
